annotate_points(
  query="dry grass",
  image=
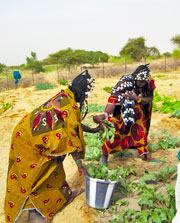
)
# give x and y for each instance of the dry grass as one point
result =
(100, 71)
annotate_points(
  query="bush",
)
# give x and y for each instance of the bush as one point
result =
(44, 86)
(176, 113)
(63, 82)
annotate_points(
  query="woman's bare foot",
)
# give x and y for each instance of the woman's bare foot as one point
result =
(35, 217)
(104, 160)
(149, 158)
(74, 194)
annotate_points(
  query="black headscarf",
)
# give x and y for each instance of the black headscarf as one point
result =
(80, 86)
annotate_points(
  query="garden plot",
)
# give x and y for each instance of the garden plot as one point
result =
(129, 201)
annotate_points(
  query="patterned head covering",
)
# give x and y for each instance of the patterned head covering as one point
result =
(84, 82)
(142, 73)
(81, 86)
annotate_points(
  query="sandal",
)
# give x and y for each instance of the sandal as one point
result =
(156, 160)
(104, 164)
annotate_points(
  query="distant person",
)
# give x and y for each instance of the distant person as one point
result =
(130, 104)
(17, 76)
(40, 142)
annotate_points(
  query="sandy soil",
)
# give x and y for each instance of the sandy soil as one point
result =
(26, 99)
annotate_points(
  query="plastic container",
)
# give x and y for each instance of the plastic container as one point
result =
(99, 192)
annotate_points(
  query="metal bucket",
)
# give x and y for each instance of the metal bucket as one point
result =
(99, 192)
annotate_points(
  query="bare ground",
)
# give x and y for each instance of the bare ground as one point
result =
(26, 99)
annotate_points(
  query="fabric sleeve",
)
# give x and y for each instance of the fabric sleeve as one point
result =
(112, 99)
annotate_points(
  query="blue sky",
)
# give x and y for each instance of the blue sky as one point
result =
(47, 26)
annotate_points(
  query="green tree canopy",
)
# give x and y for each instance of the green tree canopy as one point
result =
(33, 63)
(2, 66)
(176, 53)
(176, 40)
(153, 51)
(70, 57)
(63, 57)
(136, 49)
(167, 54)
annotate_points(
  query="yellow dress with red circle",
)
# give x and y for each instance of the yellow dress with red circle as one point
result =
(40, 142)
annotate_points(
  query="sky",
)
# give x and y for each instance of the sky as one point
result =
(47, 26)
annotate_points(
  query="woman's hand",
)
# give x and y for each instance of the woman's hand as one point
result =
(97, 118)
(97, 129)
(82, 170)
(132, 96)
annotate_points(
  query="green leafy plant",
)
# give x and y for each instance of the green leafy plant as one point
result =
(95, 108)
(44, 86)
(155, 207)
(168, 142)
(169, 104)
(154, 107)
(63, 82)
(153, 147)
(108, 131)
(176, 113)
(160, 75)
(108, 89)
(126, 186)
(6, 106)
(157, 97)
(102, 172)
(93, 146)
(164, 175)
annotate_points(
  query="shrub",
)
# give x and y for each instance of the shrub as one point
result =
(6, 106)
(44, 86)
(176, 113)
(63, 82)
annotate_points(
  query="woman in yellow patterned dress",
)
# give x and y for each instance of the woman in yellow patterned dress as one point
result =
(131, 105)
(40, 142)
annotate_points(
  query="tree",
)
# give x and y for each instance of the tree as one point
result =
(153, 51)
(34, 64)
(63, 57)
(69, 57)
(2, 66)
(176, 53)
(176, 40)
(136, 49)
(167, 54)
(79, 57)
